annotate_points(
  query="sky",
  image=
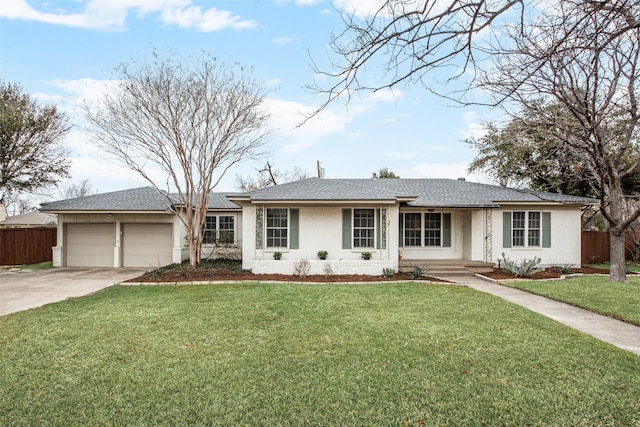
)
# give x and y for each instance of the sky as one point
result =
(64, 52)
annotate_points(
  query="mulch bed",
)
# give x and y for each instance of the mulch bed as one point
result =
(549, 273)
(196, 276)
(223, 276)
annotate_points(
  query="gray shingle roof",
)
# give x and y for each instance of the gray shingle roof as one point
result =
(424, 192)
(144, 199)
(320, 189)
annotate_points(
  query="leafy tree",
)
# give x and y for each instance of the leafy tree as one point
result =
(581, 54)
(31, 154)
(523, 154)
(193, 118)
(268, 176)
(384, 173)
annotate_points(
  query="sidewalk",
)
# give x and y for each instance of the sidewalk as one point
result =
(612, 331)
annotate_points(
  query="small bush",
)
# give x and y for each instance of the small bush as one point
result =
(366, 255)
(301, 267)
(388, 272)
(418, 271)
(323, 254)
(563, 268)
(327, 269)
(277, 255)
(524, 269)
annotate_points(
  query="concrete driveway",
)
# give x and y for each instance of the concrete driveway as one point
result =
(21, 290)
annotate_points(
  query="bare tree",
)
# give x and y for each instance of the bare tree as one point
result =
(583, 62)
(191, 118)
(79, 189)
(581, 54)
(31, 155)
(268, 176)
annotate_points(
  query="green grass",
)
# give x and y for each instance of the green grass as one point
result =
(39, 266)
(294, 355)
(595, 293)
(607, 266)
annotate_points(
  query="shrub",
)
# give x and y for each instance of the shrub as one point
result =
(366, 255)
(418, 271)
(327, 269)
(388, 272)
(277, 255)
(301, 267)
(524, 269)
(323, 254)
(563, 268)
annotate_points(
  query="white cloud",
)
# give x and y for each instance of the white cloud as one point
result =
(436, 170)
(112, 15)
(272, 82)
(361, 8)
(207, 21)
(282, 40)
(357, 134)
(475, 129)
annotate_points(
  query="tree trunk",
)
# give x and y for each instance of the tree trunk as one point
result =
(618, 271)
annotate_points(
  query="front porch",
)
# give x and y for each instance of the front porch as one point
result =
(447, 266)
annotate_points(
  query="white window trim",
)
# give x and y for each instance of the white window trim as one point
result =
(270, 249)
(526, 231)
(355, 248)
(423, 230)
(217, 215)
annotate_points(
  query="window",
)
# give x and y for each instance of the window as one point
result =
(412, 229)
(526, 229)
(277, 228)
(432, 229)
(426, 229)
(363, 228)
(218, 229)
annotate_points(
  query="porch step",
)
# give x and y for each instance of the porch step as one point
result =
(447, 267)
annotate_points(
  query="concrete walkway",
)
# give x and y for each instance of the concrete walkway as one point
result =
(612, 331)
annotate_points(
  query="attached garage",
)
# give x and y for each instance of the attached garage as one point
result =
(146, 245)
(90, 245)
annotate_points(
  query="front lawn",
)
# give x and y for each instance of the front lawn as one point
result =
(358, 355)
(594, 293)
(631, 266)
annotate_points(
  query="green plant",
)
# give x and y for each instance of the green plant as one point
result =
(323, 254)
(388, 272)
(418, 271)
(563, 268)
(301, 267)
(277, 255)
(524, 269)
(366, 255)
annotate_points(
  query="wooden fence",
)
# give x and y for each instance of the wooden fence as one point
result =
(595, 246)
(26, 245)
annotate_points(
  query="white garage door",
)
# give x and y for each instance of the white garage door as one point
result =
(146, 245)
(90, 245)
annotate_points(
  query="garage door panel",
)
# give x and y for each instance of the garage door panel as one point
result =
(90, 245)
(146, 245)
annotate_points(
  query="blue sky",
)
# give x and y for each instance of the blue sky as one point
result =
(64, 51)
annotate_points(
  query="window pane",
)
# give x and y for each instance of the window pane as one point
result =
(518, 228)
(277, 228)
(209, 230)
(534, 229)
(432, 229)
(226, 228)
(363, 228)
(412, 229)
